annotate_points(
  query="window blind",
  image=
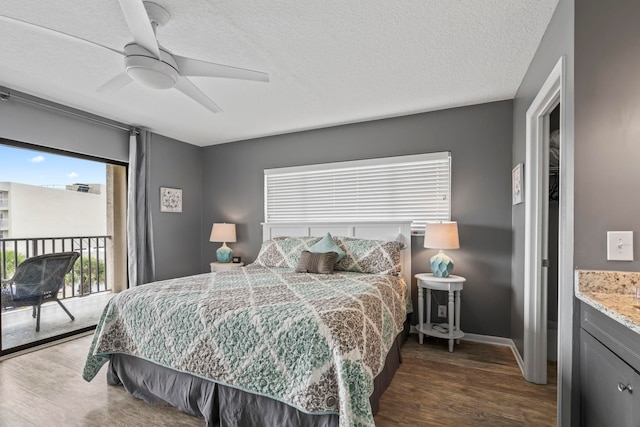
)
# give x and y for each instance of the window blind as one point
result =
(412, 188)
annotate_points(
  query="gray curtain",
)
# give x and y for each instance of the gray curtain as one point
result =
(141, 259)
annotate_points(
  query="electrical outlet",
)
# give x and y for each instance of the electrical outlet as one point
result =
(442, 311)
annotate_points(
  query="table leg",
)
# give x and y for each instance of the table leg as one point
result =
(451, 323)
(458, 300)
(420, 313)
(428, 326)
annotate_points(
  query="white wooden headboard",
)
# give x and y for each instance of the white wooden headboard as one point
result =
(400, 231)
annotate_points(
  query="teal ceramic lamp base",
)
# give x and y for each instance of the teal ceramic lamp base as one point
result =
(224, 253)
(441, 265)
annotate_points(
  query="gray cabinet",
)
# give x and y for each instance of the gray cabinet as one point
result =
(610, 388)
(609, 380)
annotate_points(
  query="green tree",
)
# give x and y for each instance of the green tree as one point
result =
(9, 257)
(94, 269)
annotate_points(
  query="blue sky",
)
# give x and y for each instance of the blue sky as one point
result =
(40, 168)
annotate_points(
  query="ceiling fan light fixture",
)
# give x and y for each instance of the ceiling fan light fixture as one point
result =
(151, 72)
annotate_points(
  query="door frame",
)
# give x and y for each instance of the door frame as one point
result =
(551, 93)
(535, 289)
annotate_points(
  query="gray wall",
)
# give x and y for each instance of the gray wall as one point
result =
(479, 138)
(607, 130)
(173, 164)
(176, 236)
(557, 41)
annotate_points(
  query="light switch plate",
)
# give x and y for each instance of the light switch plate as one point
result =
(619, 245)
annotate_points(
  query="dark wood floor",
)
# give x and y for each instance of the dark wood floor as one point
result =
(476, 385)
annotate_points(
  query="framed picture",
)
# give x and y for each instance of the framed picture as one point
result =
(517, 187)
(170, 199)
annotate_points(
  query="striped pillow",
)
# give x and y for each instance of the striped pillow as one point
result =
(321, 263)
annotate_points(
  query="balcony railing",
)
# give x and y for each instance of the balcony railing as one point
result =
(89, 273)
(4, 203)
(4, 224)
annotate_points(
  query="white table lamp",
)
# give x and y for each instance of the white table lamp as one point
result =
(441, 235)
(222, 232)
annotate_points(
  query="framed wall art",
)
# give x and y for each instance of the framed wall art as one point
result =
(517, 184)
(170, 199)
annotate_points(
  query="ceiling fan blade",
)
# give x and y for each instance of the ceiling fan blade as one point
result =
(196, 67)
(185, 86)
(57, 33)
(118, 82)
(138, 22)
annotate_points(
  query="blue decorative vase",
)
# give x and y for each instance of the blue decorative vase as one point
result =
(441, 265)
(224, 253)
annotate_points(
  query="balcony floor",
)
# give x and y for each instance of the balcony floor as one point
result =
(19, 328)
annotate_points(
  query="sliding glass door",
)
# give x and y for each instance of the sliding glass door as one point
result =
(61, 243)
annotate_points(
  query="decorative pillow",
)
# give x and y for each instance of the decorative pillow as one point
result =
(369, 256)
(327, 245)
(283, 251)
(321, 263)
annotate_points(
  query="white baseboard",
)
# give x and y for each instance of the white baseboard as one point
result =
(507, 342)
(488, 339)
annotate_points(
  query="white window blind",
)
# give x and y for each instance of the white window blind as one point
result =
(412, 188)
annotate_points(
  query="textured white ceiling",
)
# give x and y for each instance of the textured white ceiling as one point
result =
(330, 62)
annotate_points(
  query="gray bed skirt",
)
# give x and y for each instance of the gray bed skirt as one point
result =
(223, 405)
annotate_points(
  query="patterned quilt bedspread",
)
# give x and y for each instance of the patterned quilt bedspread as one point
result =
(312, 341)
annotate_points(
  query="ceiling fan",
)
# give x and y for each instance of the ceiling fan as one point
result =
(149, 64)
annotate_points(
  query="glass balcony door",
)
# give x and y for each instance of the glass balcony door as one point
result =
(60, 205)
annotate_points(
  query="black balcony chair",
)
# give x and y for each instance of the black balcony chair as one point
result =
(38, 280)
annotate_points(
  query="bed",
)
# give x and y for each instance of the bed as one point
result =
(266, 344)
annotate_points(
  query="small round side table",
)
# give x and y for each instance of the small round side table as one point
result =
(452, 284)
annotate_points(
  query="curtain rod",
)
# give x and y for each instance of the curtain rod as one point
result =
(6, 95)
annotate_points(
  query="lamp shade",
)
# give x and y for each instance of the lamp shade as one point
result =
(222, 232)
(441, 235)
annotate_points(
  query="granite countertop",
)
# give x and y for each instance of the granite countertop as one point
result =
(612, 293)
